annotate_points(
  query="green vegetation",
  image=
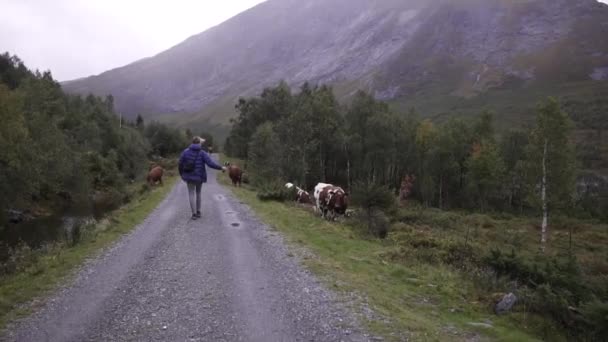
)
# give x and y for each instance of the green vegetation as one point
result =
(440, 272)
(306, 138)
(59, 149)
(37, 272)
(460, 164)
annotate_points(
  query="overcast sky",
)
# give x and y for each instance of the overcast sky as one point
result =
(77, 38)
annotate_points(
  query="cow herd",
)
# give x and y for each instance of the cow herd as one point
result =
(329, 201)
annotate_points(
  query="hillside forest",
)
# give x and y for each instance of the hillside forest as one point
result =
(450, 178)
(60, 149)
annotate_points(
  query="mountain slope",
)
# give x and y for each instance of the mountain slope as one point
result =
(409, 52)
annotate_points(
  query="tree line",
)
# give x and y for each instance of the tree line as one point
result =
(60, 146)
(308, 137)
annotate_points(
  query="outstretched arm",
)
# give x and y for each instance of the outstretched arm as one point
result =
(212, 164)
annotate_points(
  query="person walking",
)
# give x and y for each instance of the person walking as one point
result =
(192, 170)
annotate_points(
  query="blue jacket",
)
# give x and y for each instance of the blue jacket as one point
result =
(201, 158)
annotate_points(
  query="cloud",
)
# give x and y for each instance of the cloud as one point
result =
(76, 38)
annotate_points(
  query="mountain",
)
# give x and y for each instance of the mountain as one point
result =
(439, 56)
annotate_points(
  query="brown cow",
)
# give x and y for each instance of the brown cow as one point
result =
(235, 173)
(155, 175)
(407, 184)
(330, 200)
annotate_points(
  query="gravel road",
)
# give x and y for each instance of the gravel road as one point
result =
(225, 277)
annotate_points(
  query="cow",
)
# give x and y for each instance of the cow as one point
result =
(407, 184)
(302, 196)
(330, 200)
(155, 175)
(235, 173)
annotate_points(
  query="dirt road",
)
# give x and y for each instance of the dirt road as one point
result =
(225, 277)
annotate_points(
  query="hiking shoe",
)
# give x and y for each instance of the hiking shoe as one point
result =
(198, 214)
(194, 217)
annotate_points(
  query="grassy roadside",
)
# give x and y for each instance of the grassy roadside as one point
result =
(48, 269)
(415, 300)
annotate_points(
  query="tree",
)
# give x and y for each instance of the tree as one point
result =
(139, 122)
(551, 160)
(483, 128)
(264, 158)
(512, 151)
(15, 152)
(374, 199)
(486, 170)
(426, 135)
(163, 139)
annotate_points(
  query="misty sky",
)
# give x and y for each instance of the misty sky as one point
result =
(77, 38)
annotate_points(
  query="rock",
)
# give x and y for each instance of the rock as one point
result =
(600, 74)
(18, 216)
(505, 304)
(481, 325)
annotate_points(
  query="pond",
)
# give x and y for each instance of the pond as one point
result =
(48, 229)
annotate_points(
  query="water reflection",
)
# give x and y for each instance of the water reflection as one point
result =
(39, 231)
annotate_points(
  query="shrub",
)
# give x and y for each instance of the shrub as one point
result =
(274, 191)
(596, 319)
(374, 199)
(18, 259)
(556, 286)
(442, 219)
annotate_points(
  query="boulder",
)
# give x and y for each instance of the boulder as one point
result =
(18, 216)
(505, 304)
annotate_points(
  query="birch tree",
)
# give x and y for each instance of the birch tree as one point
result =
(552, 162)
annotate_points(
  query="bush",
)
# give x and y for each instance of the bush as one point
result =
(17, 259)
(556, 284)
(274, 191)
(376, 223)
(596, 319)
(374, 199)
(442, 219)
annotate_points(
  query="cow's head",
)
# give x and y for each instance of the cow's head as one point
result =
(289, 185)
(338, 199)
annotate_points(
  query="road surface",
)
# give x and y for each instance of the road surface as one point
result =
(225, 277)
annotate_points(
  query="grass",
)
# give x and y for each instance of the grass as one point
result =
(54, 266)
(415, 299)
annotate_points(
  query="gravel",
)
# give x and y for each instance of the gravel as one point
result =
(225, 277)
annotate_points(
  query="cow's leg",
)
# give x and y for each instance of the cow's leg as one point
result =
(161, 180)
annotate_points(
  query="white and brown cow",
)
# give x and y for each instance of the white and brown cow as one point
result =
(330, 200)
(302, 196)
